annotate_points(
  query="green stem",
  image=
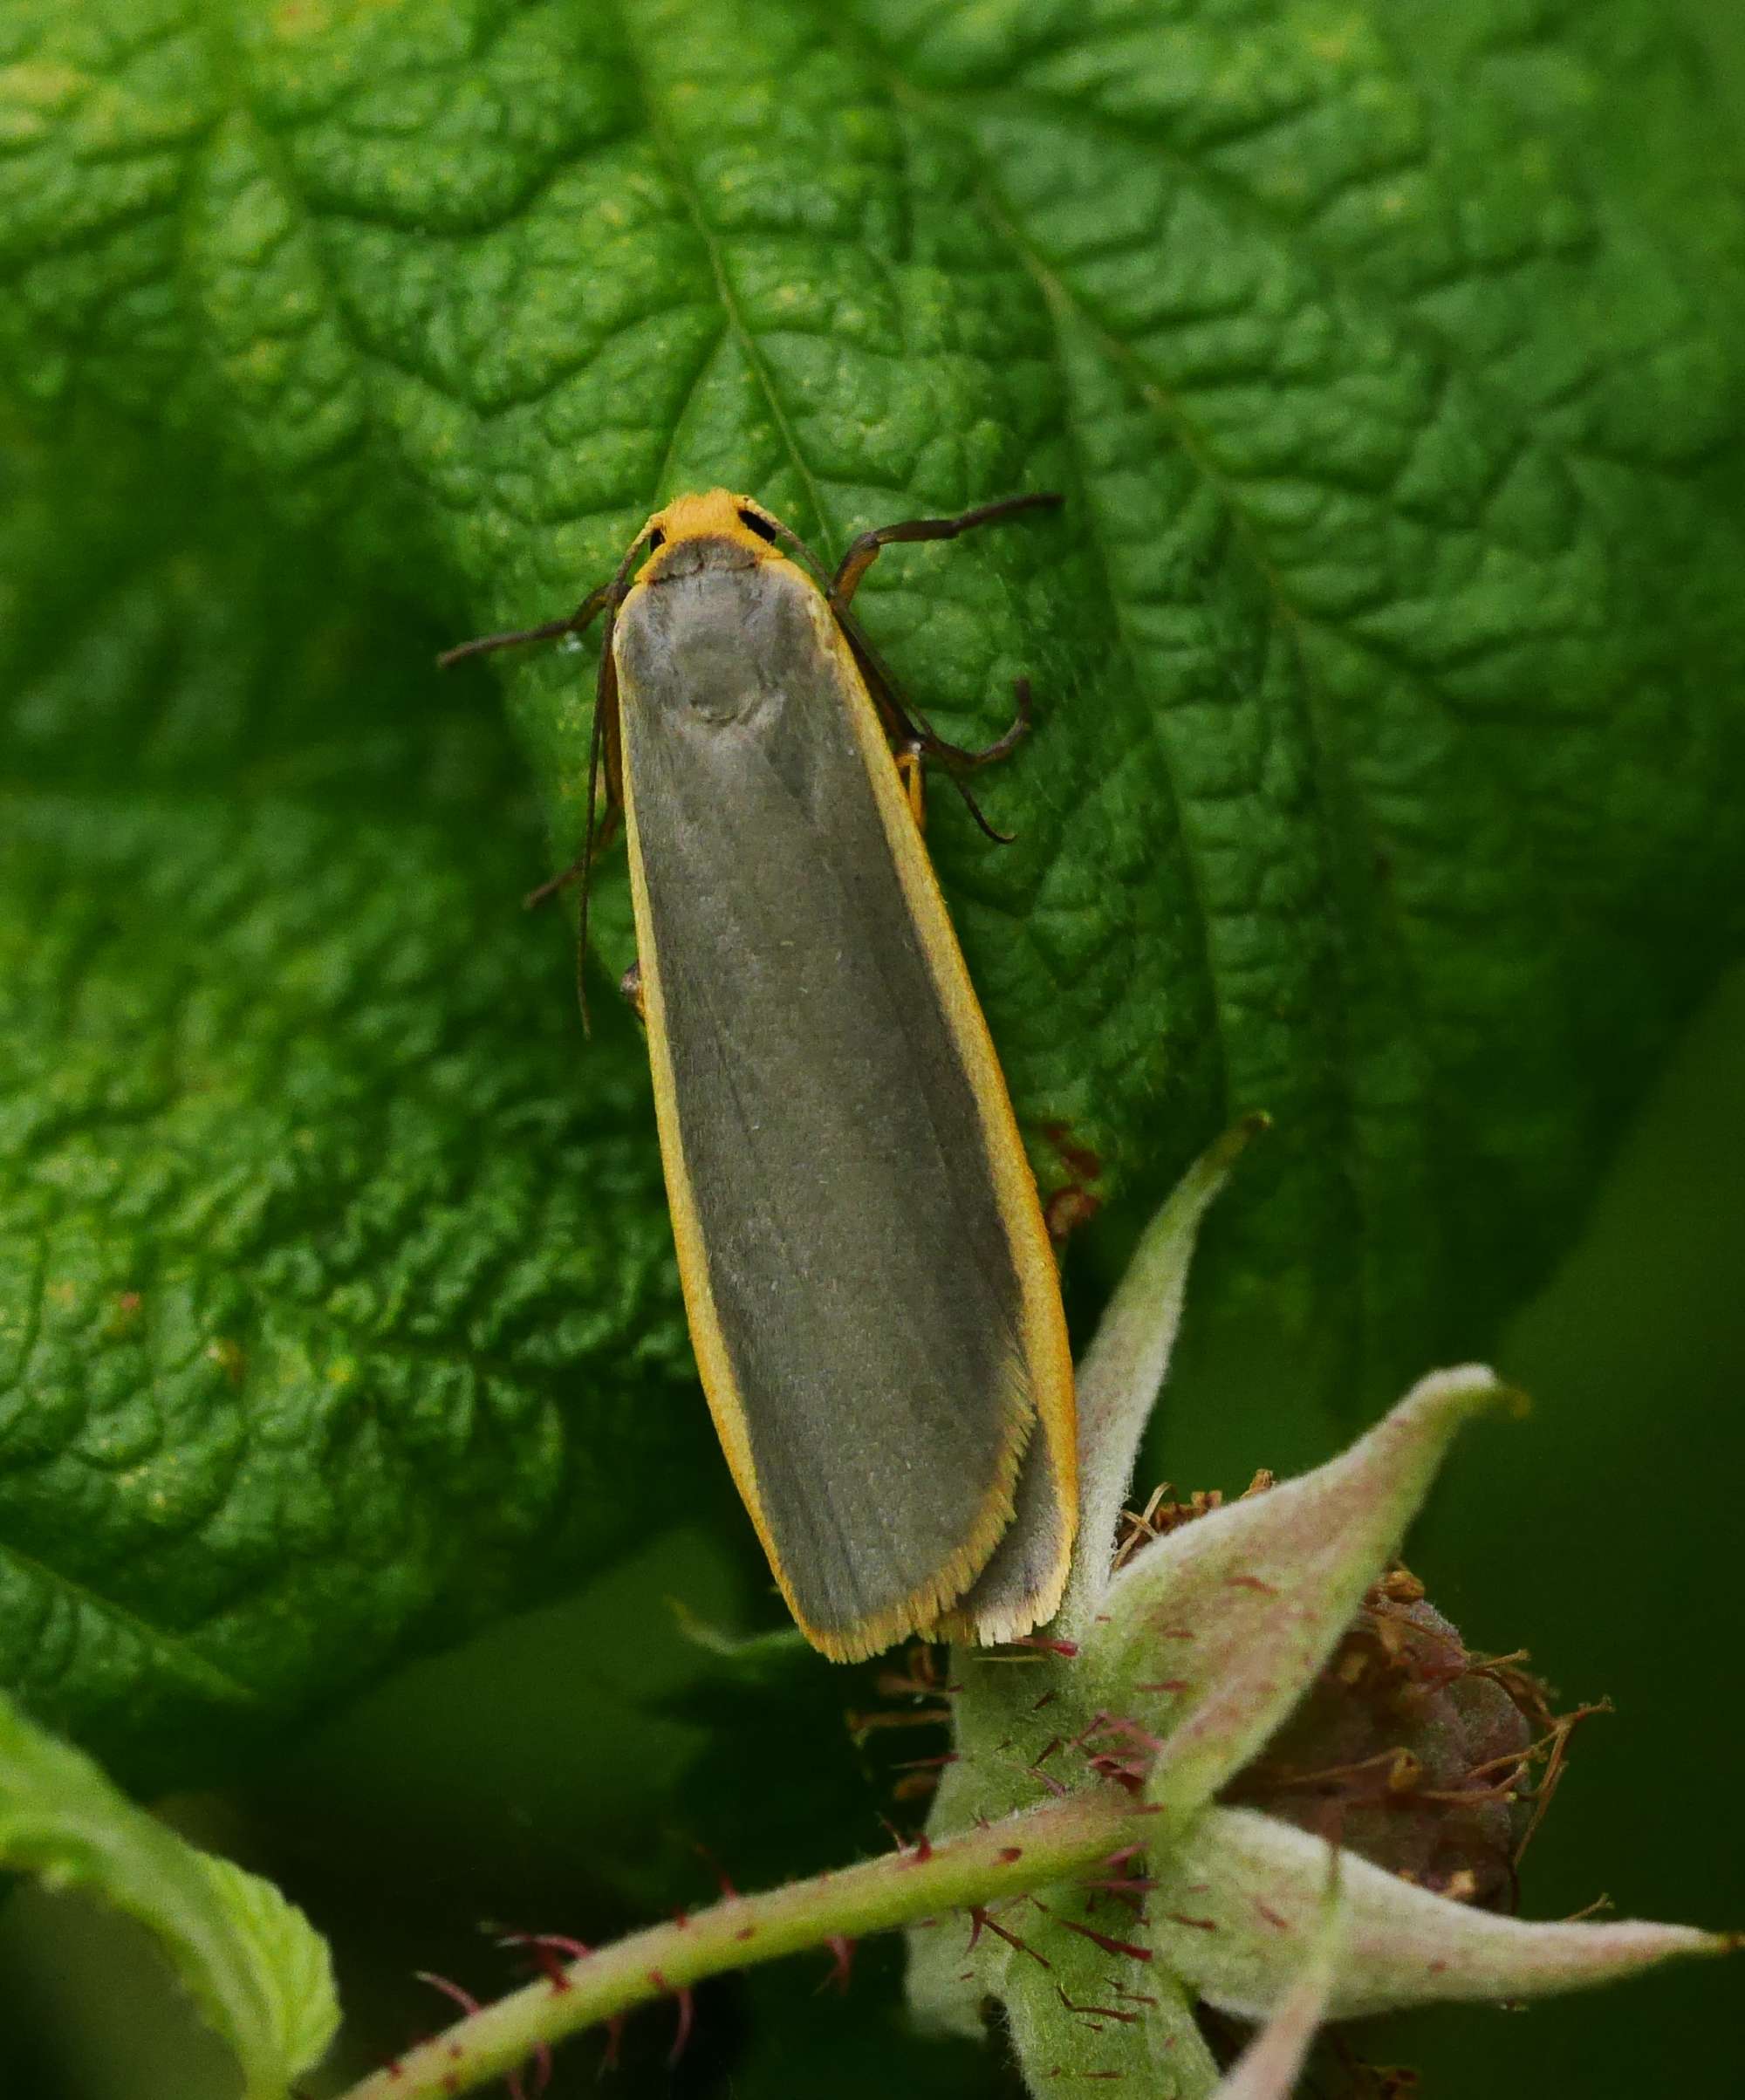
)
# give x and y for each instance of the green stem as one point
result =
(1025, 1852)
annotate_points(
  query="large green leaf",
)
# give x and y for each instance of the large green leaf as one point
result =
(336, 1308)
(1388, 652)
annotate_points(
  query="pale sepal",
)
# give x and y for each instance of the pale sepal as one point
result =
(1238, 1899)
(1083, 2009)
(1211, 1635)
(1122, 1372)
(1269, 2067)
(947, 1982)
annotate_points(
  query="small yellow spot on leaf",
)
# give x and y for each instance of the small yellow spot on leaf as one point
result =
(230, 1357)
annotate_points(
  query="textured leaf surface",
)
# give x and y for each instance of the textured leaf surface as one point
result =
(260, 1974)
(335, 1307)
(1389, 652)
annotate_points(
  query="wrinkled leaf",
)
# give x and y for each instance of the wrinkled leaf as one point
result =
(320, 1238)
(1389, 642)
(1387, 655)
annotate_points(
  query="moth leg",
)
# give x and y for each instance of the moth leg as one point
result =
(958, 761)
(864, 552)
(556, 884)
(1004, 744)
(550, 630)
(908, 729)
(578, 868)
(630, 985)
(912, 771)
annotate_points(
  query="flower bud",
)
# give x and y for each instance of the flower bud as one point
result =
(1410, 1750)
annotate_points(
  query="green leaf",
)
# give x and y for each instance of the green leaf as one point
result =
(1717, 27)
(259, 1972)
(336, 1301)
(1388, 651)
(1389, 643)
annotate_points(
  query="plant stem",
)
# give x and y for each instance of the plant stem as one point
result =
(1025, 1852)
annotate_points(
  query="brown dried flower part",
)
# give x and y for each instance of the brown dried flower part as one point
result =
(1161, 1515)
(1416, 1754)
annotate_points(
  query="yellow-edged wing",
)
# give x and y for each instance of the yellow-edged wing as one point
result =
(870, 1287)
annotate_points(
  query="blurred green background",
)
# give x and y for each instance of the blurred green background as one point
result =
(556, 1774)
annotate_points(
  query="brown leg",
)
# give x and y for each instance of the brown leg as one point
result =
(958, 761)
(1009, 740)
(918, 740)
(557, 886)
(578, 868)
(864, 552)
(573, 623)
(609, 594)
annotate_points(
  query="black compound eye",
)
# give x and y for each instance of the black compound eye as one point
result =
(761, 526)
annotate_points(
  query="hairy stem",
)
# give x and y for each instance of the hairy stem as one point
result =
(1025, 1852)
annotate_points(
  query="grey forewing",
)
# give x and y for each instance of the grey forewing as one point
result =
(864, 1280)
